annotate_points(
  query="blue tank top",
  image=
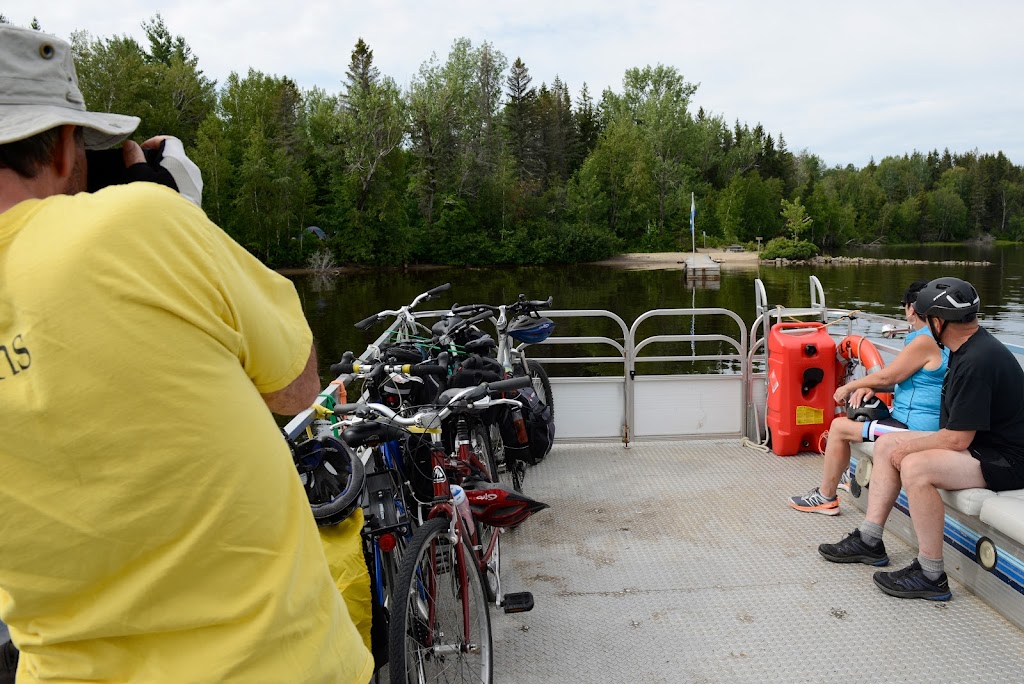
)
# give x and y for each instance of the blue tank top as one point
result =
(919, 397)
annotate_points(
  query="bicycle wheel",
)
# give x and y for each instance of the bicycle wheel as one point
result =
(510, 472)
(430, 637)
(480, 443)
(542, 384)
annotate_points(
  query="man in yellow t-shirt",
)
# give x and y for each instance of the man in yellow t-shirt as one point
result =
(153, 528)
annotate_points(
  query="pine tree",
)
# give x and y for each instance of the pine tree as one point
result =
(361, 73)
(588, 128)
(521, 119)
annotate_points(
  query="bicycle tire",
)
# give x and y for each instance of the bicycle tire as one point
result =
(540, 376)
(432, 565)
(480, 443)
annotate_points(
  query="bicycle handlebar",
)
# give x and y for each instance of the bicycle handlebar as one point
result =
(473, 308)
(425, 296)
(545, 304)
(439, 289)
(510, 384)
(368, 321)
(465, 398)
(419, 369)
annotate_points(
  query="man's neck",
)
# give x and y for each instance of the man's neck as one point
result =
(15, 189)
(954, 336)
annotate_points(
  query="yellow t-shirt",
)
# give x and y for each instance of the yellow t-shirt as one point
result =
(152, 526)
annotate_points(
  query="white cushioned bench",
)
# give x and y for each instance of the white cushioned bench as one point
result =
(1005, 513)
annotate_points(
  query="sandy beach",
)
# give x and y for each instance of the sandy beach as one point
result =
(671, 260)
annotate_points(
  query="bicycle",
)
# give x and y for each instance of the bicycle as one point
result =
(444, 624)
(405, 328)
(521, 321)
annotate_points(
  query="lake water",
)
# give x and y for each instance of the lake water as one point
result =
(333, 306)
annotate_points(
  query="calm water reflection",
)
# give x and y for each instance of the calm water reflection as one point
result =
(333, 306)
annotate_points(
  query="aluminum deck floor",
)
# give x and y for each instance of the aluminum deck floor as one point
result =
(681, 562)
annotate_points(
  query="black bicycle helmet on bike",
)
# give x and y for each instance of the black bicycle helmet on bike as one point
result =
(332, 475)
(872, 409)
(950, 299)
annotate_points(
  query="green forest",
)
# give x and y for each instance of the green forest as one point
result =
(475, 163)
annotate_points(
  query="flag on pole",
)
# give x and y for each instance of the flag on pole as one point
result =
(693, 223)
(693, 216)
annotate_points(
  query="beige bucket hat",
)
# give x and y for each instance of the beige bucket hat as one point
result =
(39, 91)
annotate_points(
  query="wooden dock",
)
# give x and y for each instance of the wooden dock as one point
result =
(702, 267)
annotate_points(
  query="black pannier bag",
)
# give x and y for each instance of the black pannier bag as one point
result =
(540, 429)
(476, 369)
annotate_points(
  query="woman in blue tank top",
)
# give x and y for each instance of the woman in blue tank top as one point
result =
(917, 399)
(917, 374)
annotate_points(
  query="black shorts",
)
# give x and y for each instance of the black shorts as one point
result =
(1000, 475)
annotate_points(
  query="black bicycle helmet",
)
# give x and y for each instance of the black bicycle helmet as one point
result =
(872, 409)
(950, 299)
(332, 475)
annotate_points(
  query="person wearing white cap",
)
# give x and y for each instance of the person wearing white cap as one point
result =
(153, 526)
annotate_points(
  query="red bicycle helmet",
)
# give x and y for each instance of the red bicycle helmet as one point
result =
(498, 505)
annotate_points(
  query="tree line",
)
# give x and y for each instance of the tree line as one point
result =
(473, 163)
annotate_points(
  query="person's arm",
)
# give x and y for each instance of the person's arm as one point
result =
(950, 440)
(298, 395)
(911, 359)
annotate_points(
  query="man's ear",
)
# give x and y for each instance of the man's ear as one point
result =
(66, 152)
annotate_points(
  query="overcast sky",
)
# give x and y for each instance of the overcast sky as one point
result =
(846, 81)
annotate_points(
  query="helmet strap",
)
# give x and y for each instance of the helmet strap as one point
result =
(936, 330)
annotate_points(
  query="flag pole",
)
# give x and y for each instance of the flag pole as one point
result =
(693, 220)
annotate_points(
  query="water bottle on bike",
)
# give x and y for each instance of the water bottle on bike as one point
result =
(462, 503)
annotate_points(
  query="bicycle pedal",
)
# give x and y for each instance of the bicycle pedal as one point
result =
(519, 602)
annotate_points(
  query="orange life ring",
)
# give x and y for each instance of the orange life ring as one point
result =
(856, 347)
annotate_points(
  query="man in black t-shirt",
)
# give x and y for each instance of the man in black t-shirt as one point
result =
(980, 443)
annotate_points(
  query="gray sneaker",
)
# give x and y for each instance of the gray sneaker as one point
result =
(844, 481)
(814, 502)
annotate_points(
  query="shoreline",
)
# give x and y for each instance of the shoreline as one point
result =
(734, 261)
(655, 261)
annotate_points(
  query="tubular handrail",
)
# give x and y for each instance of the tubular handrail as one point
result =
(633, 347)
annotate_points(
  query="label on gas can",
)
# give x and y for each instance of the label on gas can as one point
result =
(774, 382)
(808, 415)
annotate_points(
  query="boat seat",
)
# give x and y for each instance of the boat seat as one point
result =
(967, 501)
(1006, 514)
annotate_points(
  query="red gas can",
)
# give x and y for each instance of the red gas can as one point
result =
(801, 383)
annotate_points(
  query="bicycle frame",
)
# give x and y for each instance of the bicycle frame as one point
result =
(459, 530)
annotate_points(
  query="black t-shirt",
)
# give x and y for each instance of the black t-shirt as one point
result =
(984, 391)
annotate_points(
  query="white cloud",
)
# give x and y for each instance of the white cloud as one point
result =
(848, 82)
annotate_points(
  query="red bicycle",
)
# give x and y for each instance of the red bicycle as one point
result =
(450, 568)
